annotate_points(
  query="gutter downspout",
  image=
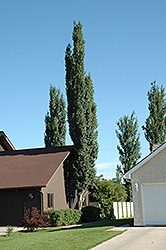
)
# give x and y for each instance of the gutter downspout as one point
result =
(42, 201)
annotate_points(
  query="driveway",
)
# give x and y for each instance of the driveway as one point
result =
(137, 238)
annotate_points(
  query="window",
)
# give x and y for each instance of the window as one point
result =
(50, 200)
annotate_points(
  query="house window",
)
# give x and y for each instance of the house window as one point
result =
(50, 200)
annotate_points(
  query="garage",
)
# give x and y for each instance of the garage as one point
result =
(148, 179)
(154, 204)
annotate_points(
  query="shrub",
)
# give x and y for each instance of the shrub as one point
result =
(64, 217)
(107, 192)
(56, 217)
(90, 213)
(71, 216)
(32, 219)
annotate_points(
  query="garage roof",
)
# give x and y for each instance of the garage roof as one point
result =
(30, 167)
(144, 160)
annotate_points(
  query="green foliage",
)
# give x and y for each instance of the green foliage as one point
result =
(107, 192)
(9, 230)
(55, 120)
(90, 214)
(64, 217)
(81, 112)
(155, 124)
(119, 174)
(129, 148)
(56, 217)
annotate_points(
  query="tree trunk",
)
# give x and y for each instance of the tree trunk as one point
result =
(80, 201)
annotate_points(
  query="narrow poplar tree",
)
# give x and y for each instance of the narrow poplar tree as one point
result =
(129, 148)
(81, 113)
(155, 124)
(119, 174)
(55, 120)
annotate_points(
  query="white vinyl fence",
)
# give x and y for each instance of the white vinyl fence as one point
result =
(122, 210)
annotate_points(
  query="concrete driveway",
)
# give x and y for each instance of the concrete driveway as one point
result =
(137, 238)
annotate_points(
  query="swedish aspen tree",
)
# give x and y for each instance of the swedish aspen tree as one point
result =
(81, 113)
(129, 145)
(155, 124)
(55, 120)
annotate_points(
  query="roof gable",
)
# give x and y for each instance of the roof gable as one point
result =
(30, 167)
(5, 143)
(144, 160)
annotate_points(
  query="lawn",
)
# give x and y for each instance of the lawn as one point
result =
(83, 237)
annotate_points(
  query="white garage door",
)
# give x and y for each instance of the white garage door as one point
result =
(154, 204)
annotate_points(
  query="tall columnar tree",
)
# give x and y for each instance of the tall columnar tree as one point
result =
(129, 145)
(119, 175)
(81, 112)
(55, 120)
(155, 124)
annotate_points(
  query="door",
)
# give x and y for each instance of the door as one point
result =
(154, 204)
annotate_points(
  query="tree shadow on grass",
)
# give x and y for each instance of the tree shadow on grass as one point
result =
(102, 223)
(107, 223)
(3, 235)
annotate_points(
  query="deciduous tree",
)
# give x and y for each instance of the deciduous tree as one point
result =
(107, 192)
(155, 124)
(119, 174)
(55, 120)
(81, 112)
(129, 145)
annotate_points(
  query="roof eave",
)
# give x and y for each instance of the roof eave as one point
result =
(23, 187)
(127, 176)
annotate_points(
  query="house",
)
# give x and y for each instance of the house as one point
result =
(34, 178)
(5, 143)
(148, 180)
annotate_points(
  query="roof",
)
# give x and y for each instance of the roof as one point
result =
(30, 167)
(144, 160)
(5, 142)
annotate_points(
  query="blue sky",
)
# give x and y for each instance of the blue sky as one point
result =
(125, 52)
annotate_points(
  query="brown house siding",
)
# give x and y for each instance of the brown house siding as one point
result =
(57, 187)
(15, 202)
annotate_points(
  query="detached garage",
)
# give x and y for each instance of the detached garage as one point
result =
(148, 180)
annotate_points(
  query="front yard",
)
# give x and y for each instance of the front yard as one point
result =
(81, 238)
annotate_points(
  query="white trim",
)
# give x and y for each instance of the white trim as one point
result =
(156, 183)
(143, 208)
(143, 161)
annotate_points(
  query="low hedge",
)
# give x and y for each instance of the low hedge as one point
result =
(90, 214)
(64, 217)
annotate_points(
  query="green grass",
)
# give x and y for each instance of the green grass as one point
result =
(81, 238)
